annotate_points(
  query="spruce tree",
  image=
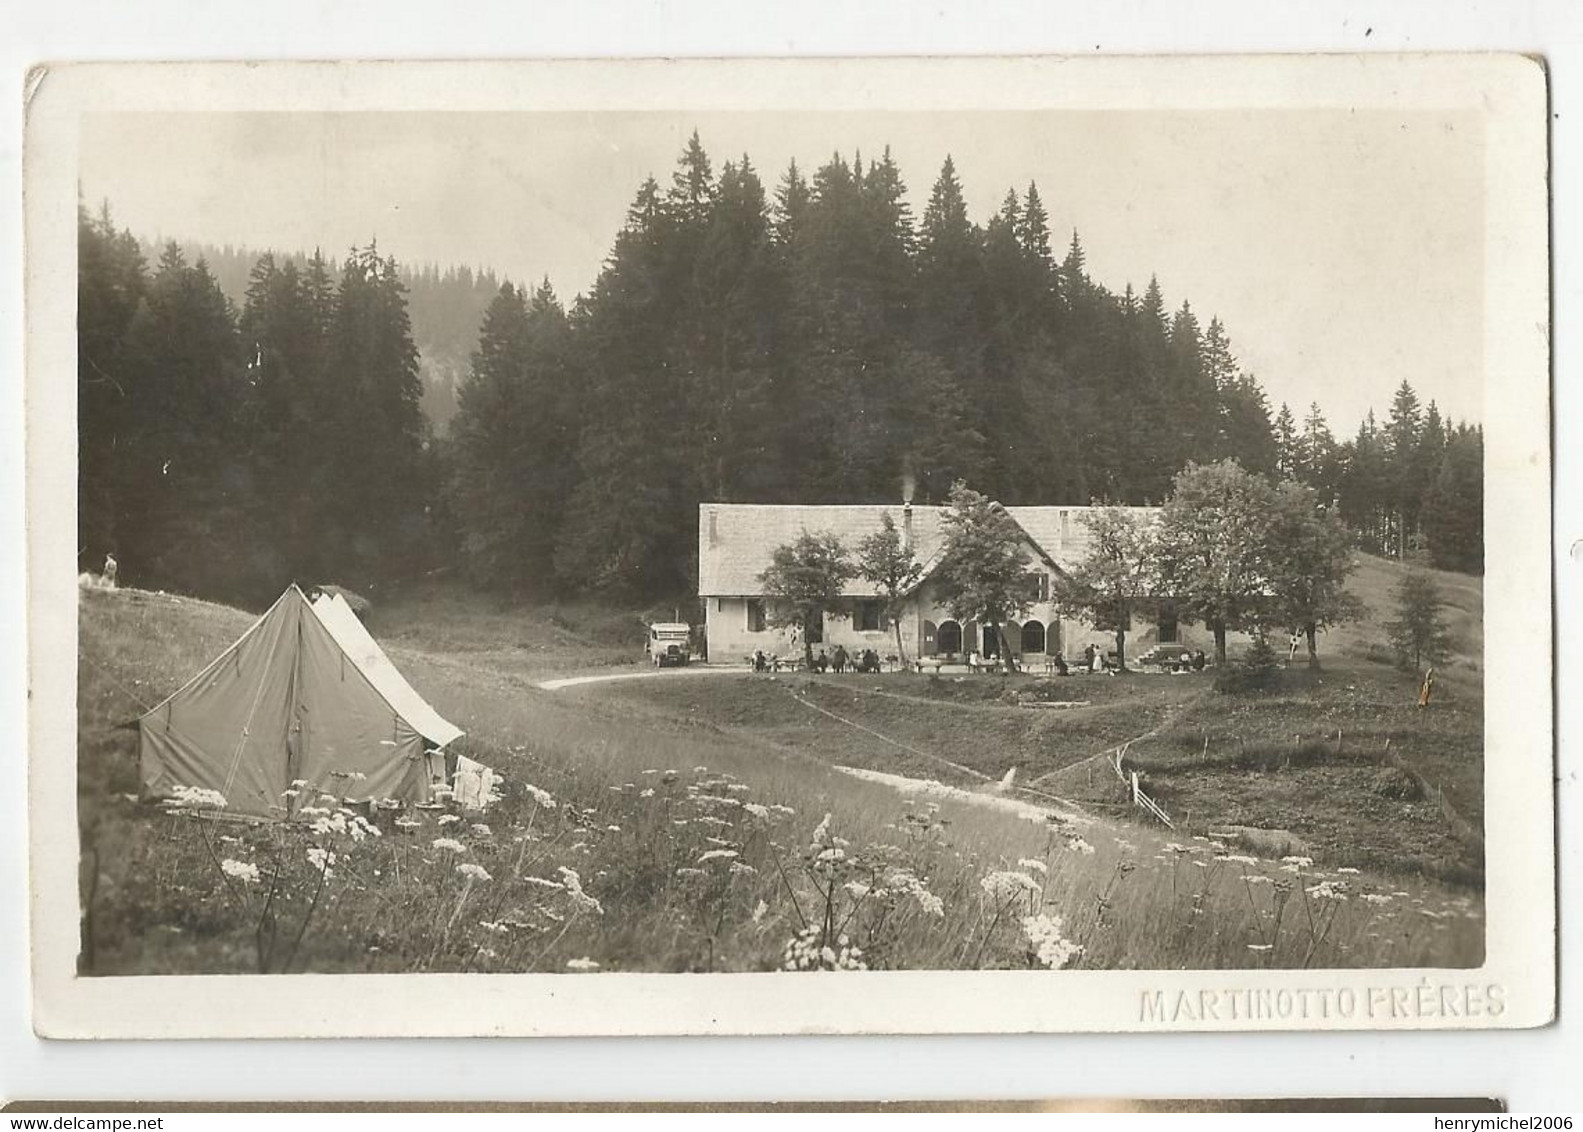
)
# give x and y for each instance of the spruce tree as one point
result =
(1418, 634)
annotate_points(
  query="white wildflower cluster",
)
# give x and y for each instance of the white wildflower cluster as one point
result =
(449, 844)
(540, 797)
(474, 872)
(1237, 858)
(574, 889)
(544, 882)
(1003, 886)
(718, 855)
(480, 829)
(1049, 946)
(345, 823)
(321, 859)
(1328, 890)
(449, 819)
(1376, 898)
(240, 870)
(195, 798)
(805, 952)
(1078, 845)
(1034, 866)
(759, 911)
(1296, 864)
(583, 964)
(904, 882)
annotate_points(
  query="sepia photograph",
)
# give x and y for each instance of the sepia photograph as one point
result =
(815, 533)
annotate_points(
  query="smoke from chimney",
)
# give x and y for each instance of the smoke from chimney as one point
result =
(908, 485)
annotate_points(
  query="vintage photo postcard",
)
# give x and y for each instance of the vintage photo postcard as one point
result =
(760, 547)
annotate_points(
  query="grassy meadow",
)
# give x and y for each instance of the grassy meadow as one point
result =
(704, 822)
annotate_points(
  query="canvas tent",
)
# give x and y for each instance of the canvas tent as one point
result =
(305, 694)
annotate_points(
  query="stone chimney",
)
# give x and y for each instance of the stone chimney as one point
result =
(714, 527)
(906, 524)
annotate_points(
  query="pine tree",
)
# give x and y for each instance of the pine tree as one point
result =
(1453, 514)
(1289, 459)
(111, 281)
(1418, 634)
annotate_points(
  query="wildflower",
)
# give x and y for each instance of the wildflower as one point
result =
(408, 823)
(740, 869)
(1328, 890)
(314, 812)
(857, 888)
(1238, 858)
(1078, 845)
(804, 952)
(1347, 869)
(690, 872)
(1261, 947)
(1174, 847)
(700, 770)
(481, 829)
(831, 856)
(612, 829)
(321, 859)
(718, 855)
(1049, 946)
(679, 821)
(583, 964)
(756, 810)
(904, 882)
(298, 783)
(1300, 862)
(574, 889)
(649, 793)
(493, 926)
(1002, 886)
(720, 842)
(650, 771)
(821, 835)
(758, 912)
(240, 870)
(449, 819)
(784, 811)
(1036, 866)
(1376, 898)
(1257, 878)
(449, 844)
(540, 797)
(1125, 844)
(474, 872)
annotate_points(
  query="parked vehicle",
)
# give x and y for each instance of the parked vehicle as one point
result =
(670, 642)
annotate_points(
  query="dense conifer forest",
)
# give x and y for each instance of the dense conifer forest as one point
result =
(249, 419)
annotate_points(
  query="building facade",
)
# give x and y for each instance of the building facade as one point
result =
(736, 542)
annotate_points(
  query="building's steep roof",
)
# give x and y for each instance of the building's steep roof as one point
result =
(736, 540)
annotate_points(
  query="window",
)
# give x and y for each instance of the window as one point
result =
(866, 617)
(1032, 637)
(949, 637)
(755, 615)
(1037, 586)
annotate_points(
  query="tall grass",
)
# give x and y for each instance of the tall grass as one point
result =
(643, 836)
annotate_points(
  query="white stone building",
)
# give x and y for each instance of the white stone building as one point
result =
(736, 541)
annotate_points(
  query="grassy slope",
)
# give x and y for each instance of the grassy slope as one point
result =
(1131, 902)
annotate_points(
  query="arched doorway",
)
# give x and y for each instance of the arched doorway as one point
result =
(948, 637)
(1032, 637)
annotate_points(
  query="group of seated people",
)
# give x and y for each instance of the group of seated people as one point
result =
(837, 660)
(1092, 660)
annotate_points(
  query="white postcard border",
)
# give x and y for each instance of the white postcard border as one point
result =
(1514, 988)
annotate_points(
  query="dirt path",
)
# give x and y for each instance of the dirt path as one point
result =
(647, 674)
